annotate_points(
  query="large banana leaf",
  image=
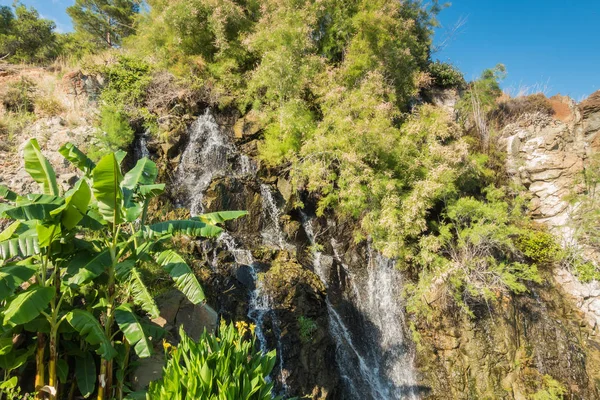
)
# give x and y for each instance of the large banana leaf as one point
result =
(87, 266)
(85, 374)
(11, 277)
(140, 294)
(132, 329)
(184, 227)
(220, 216)
(77, 157)
(23, 246)
(8, 194)
(46, 234)
(182, 274)
(89, 328)
(76, 204)
(107, 189)
(36, 211)
(144, 173)
(27, 305)
(39, 168)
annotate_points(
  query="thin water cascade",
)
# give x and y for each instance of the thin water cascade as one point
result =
(208, 154)
(272, 233)
(374, 361)
(260, 304)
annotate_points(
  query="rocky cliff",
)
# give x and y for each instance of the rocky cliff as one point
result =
(333, 308)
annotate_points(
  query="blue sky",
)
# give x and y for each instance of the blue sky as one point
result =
(544, 43)
(552, 45)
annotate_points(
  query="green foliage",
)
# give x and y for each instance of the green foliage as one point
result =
(473, 257)
(446, 75)
(586, 271)
(115, 131)
(307, 327)
(227, 366)
(540, 247)
(83, 249)
(103, 22)
(25, 37)
(552, 390)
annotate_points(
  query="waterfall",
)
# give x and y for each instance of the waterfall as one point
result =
(271, 233)
(372, 356)
(260, 304)
(140, 146)
(209, 154)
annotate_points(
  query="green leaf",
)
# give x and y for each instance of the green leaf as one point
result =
(144, 173)
(62, 370)
(106, 188)
(151, 191)
(87, 266)
(12, 276)
(77, 157)
(133, 330)
(36, 211)
(39, 168)
(19, 247)
(8, 194)
(89, 328)
(140, 294)
(85, 374)
(9, 384)
(8, 232)
(123, 269)
(220, 216)
(76, 204)
(182, 274)
(47, 234)
(6, 345)
(27, 305)
(184, 227)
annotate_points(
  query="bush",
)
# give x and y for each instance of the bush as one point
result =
(19, 97)
(540, 247)
(473, 257)
(225, 367)
(446, 75)
(49, 106)
(511, 110)
(307, 328)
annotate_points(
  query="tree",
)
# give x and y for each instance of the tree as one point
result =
(81, 252)
(25, 37)
(104, 22)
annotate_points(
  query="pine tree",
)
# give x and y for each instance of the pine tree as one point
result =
(104, 22)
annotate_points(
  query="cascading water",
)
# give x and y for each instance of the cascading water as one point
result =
(140, 147)
(209, 154)
(260, 304)
(373, 359)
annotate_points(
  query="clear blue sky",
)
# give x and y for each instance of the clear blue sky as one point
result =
(553, 43)
(549, 44)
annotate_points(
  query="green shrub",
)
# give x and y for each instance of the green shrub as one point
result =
(552, 390)
(586, 271)
(307, 327)
(115, 132)
(227, 366)
(473, 258)
(446, 75)
(540, 247)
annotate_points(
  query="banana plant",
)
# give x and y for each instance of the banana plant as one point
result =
(91, 239)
